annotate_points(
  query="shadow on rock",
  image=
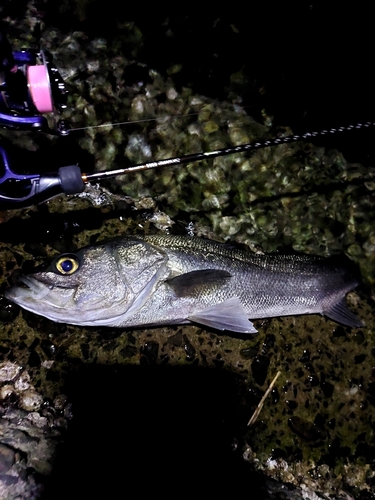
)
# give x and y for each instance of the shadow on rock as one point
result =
(150, 428)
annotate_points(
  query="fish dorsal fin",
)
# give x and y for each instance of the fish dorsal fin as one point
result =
(191, 283)
(228, 315)
(341, 314)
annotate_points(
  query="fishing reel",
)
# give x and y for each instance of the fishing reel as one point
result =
(35, 89)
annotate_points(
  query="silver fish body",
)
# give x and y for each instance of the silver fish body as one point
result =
(162, 280)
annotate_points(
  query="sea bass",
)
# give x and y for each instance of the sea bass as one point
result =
(164, 280)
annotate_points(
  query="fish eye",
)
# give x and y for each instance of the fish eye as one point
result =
(67, 264)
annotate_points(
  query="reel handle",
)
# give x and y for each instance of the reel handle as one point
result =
(25, 190)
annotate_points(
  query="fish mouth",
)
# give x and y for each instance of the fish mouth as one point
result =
(55, 303)
(29, 292)
(48, 300)
(33, 287)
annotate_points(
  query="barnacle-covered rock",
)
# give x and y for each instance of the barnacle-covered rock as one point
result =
(27, 437)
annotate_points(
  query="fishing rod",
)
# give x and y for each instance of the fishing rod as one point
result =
(25, 190)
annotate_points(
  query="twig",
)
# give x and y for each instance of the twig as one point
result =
(261, 402)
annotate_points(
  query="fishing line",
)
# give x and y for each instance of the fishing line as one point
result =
(145, 120)
(116, 124)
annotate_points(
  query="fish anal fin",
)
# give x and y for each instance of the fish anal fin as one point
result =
(228, 315)
(190, 284)
(340, 313)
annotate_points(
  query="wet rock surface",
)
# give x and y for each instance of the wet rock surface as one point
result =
(87, 412)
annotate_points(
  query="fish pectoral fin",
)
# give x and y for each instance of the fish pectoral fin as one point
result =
(190, 284)
(341, 314)
(228, 315)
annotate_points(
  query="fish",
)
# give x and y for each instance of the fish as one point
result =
(155, 280)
